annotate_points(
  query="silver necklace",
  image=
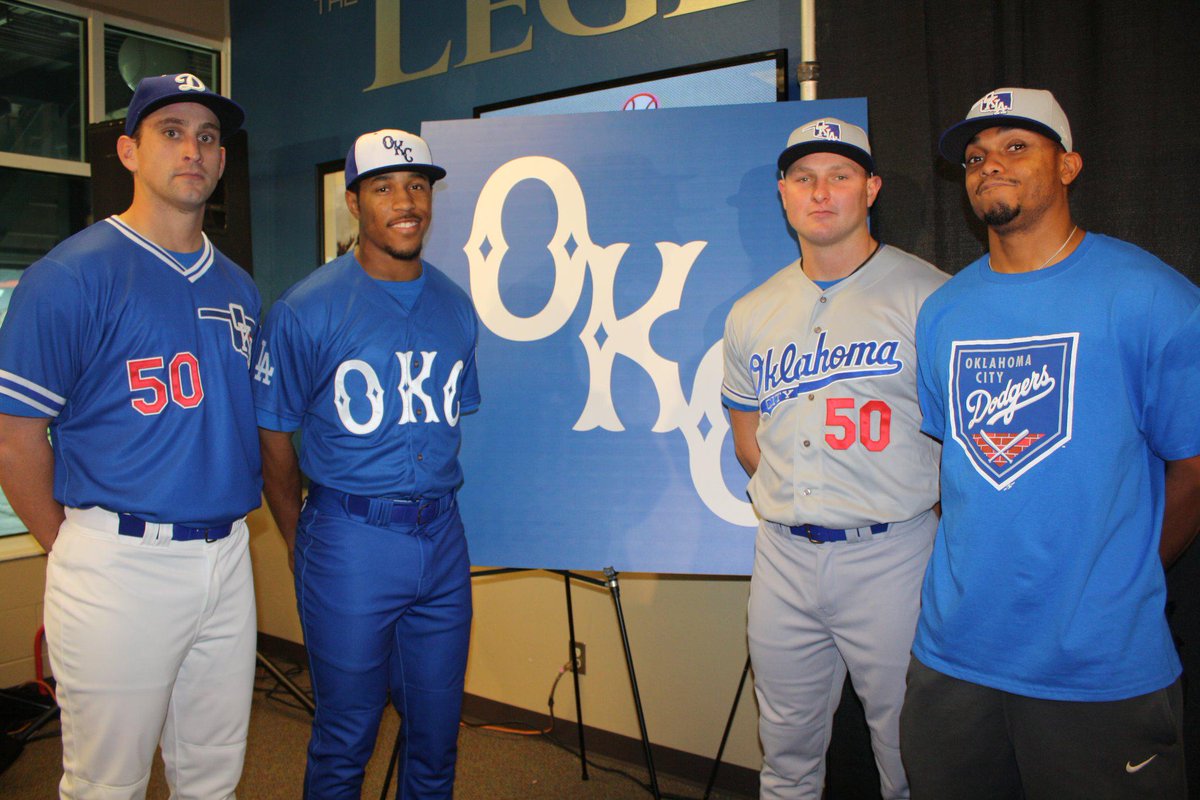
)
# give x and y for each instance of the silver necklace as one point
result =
(1053, 255)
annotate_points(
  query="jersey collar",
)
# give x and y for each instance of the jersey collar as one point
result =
(192, 273)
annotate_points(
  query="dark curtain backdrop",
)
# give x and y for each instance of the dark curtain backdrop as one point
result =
(1128, 76)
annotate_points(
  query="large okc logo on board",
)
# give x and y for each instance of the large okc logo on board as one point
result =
(700, 418)
(1012, 402)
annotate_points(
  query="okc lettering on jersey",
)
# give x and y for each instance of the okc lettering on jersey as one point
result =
(807, 372)
(411, 388)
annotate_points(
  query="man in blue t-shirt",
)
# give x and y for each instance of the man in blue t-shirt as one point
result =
(1058, 372)
(372, 358)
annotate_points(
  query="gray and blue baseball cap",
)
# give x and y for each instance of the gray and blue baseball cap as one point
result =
(1031, 109)
(390, 150)
(163, 90)
(828, 135)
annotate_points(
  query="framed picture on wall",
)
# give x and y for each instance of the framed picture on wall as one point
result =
(338, 229)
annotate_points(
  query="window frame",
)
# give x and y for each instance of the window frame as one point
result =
(23, 545)
(95, 23)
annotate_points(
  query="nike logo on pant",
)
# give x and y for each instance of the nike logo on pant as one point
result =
(1132, 768)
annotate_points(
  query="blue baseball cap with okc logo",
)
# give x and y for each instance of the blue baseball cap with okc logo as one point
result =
(389, 150)
(1031, 109)
(828, 135)
(163, 90)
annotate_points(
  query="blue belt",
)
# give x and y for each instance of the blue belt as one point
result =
(129, 525)
(819, 535)
(380, 511)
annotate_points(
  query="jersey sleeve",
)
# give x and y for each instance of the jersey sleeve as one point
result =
(1170, 420)
(470, 396)
(930, 394)
(282, 371)
(737, 387)
(41, 341)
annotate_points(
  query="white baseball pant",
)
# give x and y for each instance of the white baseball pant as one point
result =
(151, 642)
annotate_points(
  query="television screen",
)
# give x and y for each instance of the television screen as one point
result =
(756, 78)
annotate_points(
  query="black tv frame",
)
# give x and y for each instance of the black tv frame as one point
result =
(781, 66)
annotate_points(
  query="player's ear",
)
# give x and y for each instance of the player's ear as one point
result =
(1069, 167)
(221, 171)
(874, 184)
(127, 152)
(352, 202)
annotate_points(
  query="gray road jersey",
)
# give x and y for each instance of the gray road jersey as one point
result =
(833, 376)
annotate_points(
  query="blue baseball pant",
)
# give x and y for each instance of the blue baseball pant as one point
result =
(385, 608)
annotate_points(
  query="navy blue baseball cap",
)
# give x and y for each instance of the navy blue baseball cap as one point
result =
(163, 90)
(390, 150)
(1010, 107)
(828, 135)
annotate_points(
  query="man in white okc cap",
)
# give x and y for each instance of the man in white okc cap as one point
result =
(820, 383)
(1059, 370)
(372, 357)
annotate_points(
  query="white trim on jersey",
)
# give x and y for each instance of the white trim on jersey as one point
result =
(34, 397)
(192, 273)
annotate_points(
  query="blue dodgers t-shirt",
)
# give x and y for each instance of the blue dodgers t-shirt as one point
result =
(1057, 394)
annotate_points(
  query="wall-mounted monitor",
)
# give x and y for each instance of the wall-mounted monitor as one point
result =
(754, 78)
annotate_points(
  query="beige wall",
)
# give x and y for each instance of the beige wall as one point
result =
(24, 582)
(687, 634)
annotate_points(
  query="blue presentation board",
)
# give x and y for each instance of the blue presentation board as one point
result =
(603, 252)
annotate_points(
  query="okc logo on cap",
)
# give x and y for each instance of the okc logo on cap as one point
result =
(397, 147)
(827, 130)
(996, 103)
(190, 83)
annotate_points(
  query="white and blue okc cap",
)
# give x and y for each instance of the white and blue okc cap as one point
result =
(163, 90)
(1031, 109)
(390, 150)
(828, 135)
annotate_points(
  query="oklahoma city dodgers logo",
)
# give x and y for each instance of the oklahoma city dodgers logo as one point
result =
(1012, 402)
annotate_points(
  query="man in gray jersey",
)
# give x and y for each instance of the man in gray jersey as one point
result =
(820, 383)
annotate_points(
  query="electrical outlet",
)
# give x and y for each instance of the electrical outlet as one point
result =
(581, 658)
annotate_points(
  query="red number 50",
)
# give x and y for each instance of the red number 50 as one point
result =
(839, 413)
(141, 380)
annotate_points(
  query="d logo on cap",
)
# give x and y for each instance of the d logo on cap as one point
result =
(190, 83)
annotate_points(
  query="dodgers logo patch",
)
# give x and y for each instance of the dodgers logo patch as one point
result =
(826, 130)
(996, 103)
(1012, 402)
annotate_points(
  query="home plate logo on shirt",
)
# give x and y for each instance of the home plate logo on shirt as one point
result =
(1012, 402)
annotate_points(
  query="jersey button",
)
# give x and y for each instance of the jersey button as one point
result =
(807, 443)
(420, 456)
(812, 397)
(817, 329)
(823, 299)
(806, 492)
(420, 412)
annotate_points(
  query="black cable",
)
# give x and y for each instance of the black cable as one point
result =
(271, 689)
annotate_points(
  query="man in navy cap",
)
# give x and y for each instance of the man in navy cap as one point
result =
(130, 343)
(1059, 371)
(821, 390)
